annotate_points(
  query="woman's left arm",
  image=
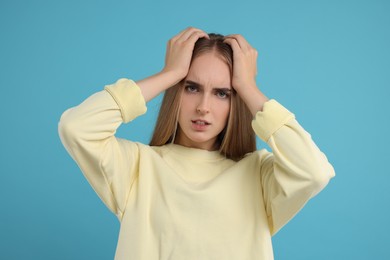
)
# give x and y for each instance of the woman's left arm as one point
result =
(244, 73)
(296, 170)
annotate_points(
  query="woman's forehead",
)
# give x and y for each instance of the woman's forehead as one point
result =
(209, 69)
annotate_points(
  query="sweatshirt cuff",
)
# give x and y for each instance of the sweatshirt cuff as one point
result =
(128, 96)
(268, 121)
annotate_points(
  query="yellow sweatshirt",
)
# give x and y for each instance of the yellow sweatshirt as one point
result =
(182, 203)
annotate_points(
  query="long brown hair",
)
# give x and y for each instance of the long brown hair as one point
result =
(238, 138)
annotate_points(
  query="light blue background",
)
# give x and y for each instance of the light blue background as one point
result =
(327, 61)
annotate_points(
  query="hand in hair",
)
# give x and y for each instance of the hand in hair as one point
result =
(179, 51)
(177, 63)
(245, 71)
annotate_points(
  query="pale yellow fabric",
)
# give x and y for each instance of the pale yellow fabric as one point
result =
(181, 203)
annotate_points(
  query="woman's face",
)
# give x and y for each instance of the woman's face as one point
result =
(205, 102)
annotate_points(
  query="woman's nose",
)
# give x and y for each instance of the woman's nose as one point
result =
(203, 106)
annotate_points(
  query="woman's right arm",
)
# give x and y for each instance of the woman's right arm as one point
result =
(88, 130)
(177, 63)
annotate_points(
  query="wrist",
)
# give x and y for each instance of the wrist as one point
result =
(157, 83)
(172, 76)
(253, 97)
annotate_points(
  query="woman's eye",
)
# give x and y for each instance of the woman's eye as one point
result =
(190, 88)
(222, 94)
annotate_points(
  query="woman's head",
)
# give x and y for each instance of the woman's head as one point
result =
(203, 110)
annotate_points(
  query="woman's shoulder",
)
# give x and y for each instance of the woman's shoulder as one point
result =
(136, 145)
(257, 155)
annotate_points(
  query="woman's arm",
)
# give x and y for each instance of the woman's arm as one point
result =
(88, 133)
(296, 170)
(244, 73)
(177, 63)
(88, 130)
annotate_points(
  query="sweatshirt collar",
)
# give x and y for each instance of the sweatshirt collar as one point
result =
(194, 153)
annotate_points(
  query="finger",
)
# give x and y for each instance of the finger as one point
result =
(179, 35)
(234, 44)
(243, 43)
(196, 36)
(188, 33)
(182, 32)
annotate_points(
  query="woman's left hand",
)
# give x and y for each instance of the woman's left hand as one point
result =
(244, 62)
(244, 72)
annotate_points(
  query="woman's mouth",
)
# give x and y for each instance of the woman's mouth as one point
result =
(200, 124)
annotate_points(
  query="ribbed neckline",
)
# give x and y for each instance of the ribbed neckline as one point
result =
(194, 153)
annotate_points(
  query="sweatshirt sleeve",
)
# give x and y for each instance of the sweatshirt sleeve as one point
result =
(295, 171)
(88, 130)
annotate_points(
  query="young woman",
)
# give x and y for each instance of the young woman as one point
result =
(200, 190)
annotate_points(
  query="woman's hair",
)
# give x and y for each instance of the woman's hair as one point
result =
(237, 138)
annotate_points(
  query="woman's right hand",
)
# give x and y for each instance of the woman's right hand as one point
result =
(179, 51)
(177, 63)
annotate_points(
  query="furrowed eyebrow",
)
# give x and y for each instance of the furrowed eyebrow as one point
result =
(193, 83)
(227, 90)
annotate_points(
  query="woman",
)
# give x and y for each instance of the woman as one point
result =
(199, 190)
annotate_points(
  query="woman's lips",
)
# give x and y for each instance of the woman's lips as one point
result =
(200, 124)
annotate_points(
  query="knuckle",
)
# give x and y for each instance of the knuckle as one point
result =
(172, 40)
